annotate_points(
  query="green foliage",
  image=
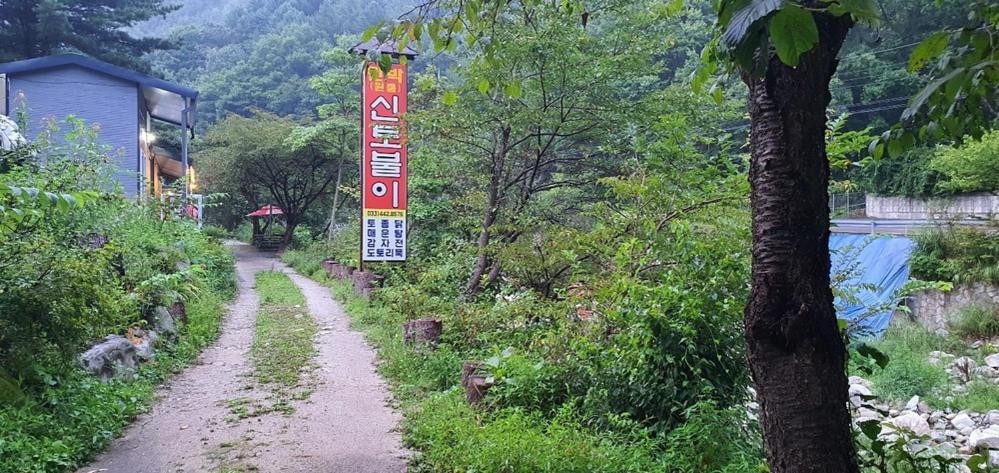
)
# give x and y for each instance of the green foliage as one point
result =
(908, 174)
(267, 159)
(963, 63)
(453, 437)
(715, 440)
(971, 167)
(81, 264)
(64, 423)
(530, 425)
(981, 396)
(261, 54)
(977, 322)
(960, 255)
(908, 373)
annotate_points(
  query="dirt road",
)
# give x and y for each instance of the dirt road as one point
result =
(344, 425)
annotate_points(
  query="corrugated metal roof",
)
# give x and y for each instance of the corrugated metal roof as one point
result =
(165, 100)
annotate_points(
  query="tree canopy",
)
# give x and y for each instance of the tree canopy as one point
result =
(102, 29)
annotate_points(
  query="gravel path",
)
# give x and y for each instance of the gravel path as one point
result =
(345, 424)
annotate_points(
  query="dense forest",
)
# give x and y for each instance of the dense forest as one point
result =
(257, 54)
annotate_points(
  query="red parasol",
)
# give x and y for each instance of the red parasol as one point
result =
(266, 211)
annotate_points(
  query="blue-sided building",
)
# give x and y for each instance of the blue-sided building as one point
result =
(124, 103)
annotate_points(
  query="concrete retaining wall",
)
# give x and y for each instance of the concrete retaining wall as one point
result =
(984, 205)
(933, 309)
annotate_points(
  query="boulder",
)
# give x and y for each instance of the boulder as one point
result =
(962, 421)
(868, 413)
(984, 438)
(994, 458)
(964, 367)
(163, 322)
(861, 381)
(112, 358)
(911, 422)
(992, 361)
(144, 341)
(913, 404)
(992, 418)
(860, 390)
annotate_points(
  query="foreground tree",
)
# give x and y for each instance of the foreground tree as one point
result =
(796, 354)
(269, 159)
(34, 28)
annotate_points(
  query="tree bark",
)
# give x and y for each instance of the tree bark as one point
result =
(796, 354)
(489, 215)
(330, 230)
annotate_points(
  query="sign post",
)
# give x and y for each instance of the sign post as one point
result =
(383, 156)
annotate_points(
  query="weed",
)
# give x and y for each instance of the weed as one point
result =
(977, 322)
(283, 346)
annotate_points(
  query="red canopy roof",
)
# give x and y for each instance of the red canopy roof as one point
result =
(266, 211)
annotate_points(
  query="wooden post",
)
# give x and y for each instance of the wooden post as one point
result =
(422, 332)
(474, 383)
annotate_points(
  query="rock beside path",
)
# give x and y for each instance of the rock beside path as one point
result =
(115, 357)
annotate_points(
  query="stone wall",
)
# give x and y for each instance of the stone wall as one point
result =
(984, 205)
(933, 309)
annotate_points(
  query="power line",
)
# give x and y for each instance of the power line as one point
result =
(879, 51)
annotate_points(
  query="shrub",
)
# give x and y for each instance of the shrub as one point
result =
(715, 440)
(977, 322)
(909, 372)
(909, 174)
(971, 167)
(960, 255)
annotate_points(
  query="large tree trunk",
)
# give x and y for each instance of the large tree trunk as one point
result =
(796, 354)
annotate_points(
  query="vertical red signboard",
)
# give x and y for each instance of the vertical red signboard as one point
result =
(383, 164)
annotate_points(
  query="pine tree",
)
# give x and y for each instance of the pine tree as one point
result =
(34, 28)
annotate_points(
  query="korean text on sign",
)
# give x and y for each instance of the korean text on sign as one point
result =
(383, 162)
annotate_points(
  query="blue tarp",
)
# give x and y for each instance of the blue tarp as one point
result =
(872, 268)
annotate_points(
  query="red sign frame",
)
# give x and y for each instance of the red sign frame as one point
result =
(384, 174)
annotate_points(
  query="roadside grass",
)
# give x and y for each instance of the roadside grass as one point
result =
(977, 322)
(79, 415)
(283, 347)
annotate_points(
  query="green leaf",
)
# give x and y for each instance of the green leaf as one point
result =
(793, 33)
(449, 98)
(513, 90)
(858, 9)
(385, 62)
(920, 99)
(743, 20)
(483, 85)
(928, 50)
(371, 32)
(895, 148)
(870, 428)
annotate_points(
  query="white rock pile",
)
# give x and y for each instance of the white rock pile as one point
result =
(960, 433)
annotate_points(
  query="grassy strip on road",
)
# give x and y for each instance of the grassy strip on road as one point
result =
(283, 346)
